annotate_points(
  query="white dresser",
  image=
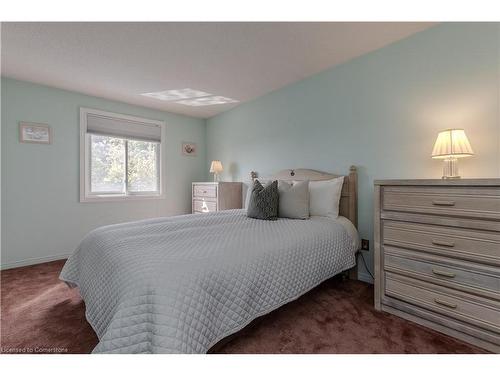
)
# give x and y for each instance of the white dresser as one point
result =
(437, 255)
(215, 196)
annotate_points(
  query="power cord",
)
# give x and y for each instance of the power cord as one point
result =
(364, 262)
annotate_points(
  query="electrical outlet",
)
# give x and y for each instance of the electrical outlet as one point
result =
(365, 244)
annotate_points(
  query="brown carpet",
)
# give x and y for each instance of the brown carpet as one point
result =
(39, 312)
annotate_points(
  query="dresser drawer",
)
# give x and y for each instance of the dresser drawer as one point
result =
(473, 245)
(465, 276)
(201, 205)
(204, 191)
(476, 311)
(483, 203)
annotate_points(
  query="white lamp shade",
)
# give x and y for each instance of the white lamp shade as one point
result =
(452, 143)
(216, 167)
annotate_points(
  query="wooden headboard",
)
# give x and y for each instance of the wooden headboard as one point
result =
(349, 197)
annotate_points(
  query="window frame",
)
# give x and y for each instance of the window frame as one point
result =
(86, 195)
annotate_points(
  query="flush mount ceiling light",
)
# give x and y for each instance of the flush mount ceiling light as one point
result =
(173, 95)
(208, 100)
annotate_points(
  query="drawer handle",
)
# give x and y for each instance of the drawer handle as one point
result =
(204, 191)
(443, 243)
(442, 273)
(443, 203)
(445, 303)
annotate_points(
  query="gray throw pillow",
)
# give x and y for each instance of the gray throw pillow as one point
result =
(263, 202)
(294, 199)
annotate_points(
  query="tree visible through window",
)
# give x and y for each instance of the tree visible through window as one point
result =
(121, 166)
(142, 166)
(107, 164)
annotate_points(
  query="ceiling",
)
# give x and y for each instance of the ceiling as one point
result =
(243, 61)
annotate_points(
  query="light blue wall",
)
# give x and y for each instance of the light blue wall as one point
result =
(41, 214)
(380, 112)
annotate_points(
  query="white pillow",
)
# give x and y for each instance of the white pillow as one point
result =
(293, 199)
(248, 193)
(324, 197)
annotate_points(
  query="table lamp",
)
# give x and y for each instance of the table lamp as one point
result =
(216, 168)
(450, 145)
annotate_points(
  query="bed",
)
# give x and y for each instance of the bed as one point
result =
(181, 284)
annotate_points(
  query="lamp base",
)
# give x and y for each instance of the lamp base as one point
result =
(450, 169)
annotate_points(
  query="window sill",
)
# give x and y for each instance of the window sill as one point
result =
(118, 198)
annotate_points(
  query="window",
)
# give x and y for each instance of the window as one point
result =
(120, 156)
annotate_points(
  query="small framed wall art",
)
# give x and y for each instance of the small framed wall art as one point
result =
(30, 132)
(189, 148)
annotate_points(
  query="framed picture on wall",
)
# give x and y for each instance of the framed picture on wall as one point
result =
(30, 132)
(189, 148)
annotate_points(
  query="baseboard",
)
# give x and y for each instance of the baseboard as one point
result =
(31, 261)
(365, 277)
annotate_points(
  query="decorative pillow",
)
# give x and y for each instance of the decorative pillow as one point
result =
(294, 199)
(324, 197)
(250, 187)
(263, 202)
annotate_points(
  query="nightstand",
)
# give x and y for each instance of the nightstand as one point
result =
(215, 196)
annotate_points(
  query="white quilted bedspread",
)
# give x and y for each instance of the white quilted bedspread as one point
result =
(181, 284)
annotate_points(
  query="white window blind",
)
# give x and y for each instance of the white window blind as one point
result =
(123, 128)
